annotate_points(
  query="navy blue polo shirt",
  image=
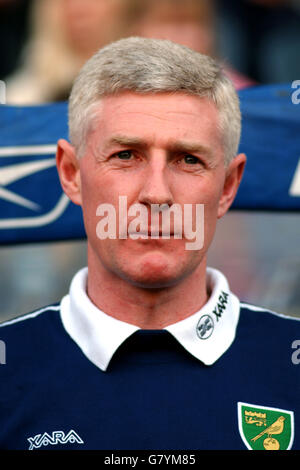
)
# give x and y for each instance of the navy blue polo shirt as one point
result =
(225, 378)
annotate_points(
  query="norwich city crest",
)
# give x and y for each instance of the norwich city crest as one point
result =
(264, 428)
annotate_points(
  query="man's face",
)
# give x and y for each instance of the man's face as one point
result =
(153, 149)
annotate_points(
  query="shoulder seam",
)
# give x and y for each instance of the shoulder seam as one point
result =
(29, 315)
(255, 308)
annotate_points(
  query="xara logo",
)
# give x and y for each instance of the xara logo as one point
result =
(221, 305)
(18, 167)
(57, 437)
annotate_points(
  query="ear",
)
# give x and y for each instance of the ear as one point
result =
(68, 170)
(232, 181)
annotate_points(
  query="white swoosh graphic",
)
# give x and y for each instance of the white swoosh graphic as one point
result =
(11, 173)
(23, 150)
(17, 199)
(37, 221)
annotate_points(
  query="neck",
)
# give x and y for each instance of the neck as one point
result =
(147, 308)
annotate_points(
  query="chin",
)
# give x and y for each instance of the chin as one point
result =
(154, 282)
(155, 272)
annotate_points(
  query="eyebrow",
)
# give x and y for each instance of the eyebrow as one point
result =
(126, 141)
(190, 147)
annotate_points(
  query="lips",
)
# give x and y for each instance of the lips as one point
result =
(152, 233)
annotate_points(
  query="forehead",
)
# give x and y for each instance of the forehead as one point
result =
(157, 117)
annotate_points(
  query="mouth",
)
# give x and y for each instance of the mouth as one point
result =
(153, 233)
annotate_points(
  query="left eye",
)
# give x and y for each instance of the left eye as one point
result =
(124, 155)
(190, 159)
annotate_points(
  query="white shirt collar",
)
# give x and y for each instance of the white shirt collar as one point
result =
(206, 334)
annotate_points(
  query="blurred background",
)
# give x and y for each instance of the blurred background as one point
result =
(44, 43)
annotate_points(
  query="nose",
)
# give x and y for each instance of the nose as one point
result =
(156, 188)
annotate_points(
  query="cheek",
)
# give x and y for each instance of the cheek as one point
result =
(209, 194)
(91, 196)
(97, 189)
(211, 209)
(89, 193)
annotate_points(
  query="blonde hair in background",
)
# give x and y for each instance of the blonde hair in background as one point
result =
(187, 22)
(50, 63)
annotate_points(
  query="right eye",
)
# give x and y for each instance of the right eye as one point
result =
(191, 159)
(124, 155)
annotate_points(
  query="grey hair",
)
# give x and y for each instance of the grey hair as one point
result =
(146, 65)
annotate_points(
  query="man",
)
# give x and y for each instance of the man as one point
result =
(150, 349)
